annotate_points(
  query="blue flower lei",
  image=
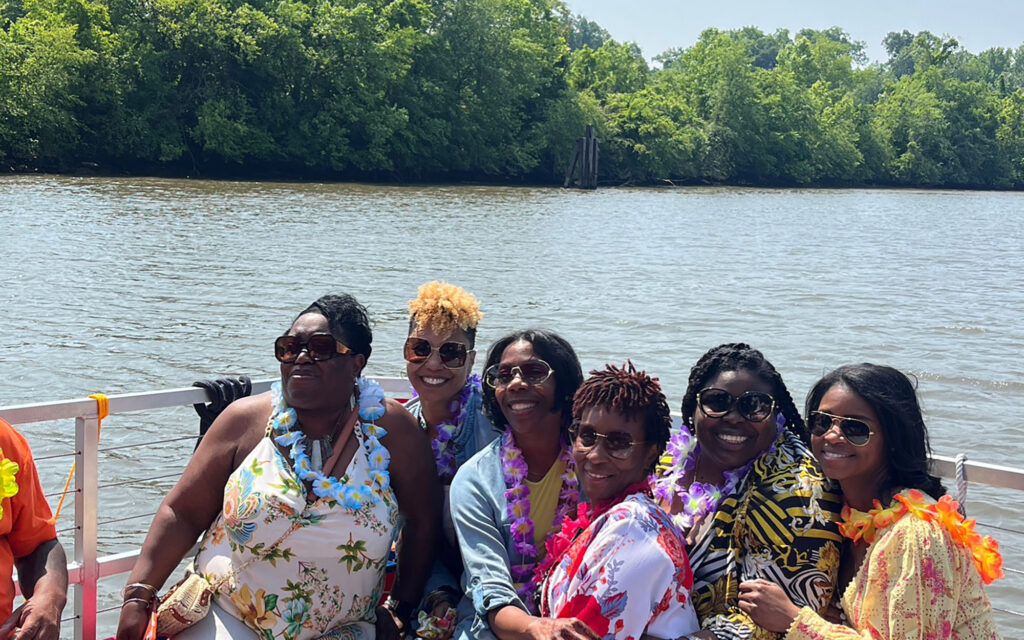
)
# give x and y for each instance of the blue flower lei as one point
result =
(371, 407)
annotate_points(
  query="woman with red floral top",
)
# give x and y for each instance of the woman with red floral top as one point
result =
(620, 565)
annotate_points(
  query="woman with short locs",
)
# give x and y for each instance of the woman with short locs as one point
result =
(301, 491)
(618, 564)
(514, 492)
(448, 403)
(741, 480)
(912, 567)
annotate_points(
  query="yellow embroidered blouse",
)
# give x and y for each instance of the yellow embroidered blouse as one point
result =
(914, 584)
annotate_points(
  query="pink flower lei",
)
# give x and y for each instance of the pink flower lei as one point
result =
(442, 443)
(517, 498)
(699, 498)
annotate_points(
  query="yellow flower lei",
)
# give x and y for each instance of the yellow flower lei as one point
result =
(8, 480)
(858, 525)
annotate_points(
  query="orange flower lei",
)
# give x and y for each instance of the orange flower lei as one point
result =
(857, 525)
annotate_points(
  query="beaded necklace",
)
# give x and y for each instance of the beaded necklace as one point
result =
(858, 525)
(441, 445)
(284, 421)
(517, 498)
(698, 498)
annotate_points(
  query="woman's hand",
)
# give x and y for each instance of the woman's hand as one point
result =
(560, 629)
(767, 605)
(834, 614)
(388, 626)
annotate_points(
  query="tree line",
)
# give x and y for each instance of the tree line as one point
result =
(489, 90)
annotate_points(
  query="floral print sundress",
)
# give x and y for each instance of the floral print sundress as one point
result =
(326, 577)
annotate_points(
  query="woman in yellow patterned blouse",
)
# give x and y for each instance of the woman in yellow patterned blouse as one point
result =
(742, 481)
(912, 568)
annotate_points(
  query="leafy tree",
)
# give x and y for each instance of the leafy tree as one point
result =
(614, 68)
(581, 33)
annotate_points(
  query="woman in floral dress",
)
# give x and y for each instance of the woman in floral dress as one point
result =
(912, 566)
(741, 480)
(618, 564)
(301, 489)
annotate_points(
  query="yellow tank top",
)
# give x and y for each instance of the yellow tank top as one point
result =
(543, 502)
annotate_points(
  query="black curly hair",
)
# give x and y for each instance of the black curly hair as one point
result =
(894, 399)
(738, 356)
(551, 348)
(347, 320)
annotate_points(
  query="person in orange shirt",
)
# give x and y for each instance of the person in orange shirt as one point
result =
(28, 541)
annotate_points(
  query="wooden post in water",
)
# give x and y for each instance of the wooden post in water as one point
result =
(585, 157)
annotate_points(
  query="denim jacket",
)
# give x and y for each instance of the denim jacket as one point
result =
(485, 539)
(472, 435)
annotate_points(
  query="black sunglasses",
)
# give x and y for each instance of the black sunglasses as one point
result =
(618, 444)
(531, 372)
(856, 432)
(452, 354)
(755, 406)
(319, 346)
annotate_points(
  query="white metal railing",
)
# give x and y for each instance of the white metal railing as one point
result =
(87, 568)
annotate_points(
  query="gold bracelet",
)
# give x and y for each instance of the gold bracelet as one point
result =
(148, 603)
(139, 585)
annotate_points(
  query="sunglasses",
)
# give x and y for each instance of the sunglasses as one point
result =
(452, 354)
(531, 372)
(320, 346)
(856, 432)
(754, 406)
(618, 444)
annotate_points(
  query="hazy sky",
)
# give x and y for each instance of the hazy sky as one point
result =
(657, 25)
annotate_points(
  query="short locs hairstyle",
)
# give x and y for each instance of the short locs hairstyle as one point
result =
(738, 356)
(347, 320)
(551, 348)
(893, 398)
(444, 308)
(632, 393)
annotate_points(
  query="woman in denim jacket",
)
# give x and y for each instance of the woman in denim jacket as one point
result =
(448, 405)
(507, 498)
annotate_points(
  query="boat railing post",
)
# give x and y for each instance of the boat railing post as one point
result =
(86, 488)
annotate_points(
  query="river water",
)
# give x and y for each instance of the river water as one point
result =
(120, 285)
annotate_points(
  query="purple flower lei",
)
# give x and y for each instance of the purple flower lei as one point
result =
(517, 498)
(442, 443)
(699, 498)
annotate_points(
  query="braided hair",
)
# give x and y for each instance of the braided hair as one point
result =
(632, 393)
(738, 356)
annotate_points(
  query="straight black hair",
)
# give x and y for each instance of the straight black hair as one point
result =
(894, 399)
(551, 348)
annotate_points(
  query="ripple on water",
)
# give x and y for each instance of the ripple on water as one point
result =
(132, 284)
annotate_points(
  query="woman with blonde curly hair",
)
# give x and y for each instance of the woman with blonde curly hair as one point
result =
(439, 358)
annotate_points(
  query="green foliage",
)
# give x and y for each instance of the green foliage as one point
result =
(490, 90)
(581, 32)
(613, 68)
